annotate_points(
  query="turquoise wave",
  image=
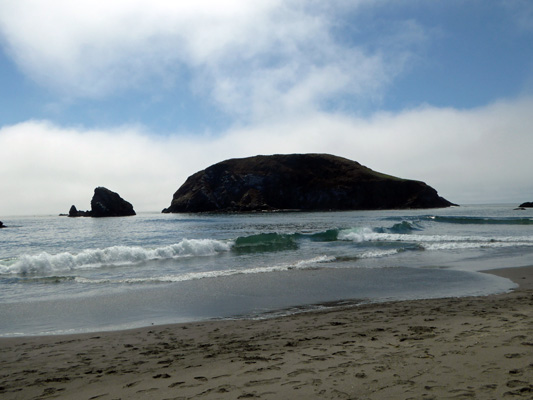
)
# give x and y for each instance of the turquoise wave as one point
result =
(331, 235)
(403, 227)
(272, 242)
(265, 242)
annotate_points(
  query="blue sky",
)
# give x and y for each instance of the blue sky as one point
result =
(136, 95)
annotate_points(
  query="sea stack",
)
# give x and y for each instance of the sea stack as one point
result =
(306, 182)
(105, 203)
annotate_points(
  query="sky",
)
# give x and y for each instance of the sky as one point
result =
(137, 95)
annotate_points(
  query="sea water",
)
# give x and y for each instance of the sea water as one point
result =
(68, 275)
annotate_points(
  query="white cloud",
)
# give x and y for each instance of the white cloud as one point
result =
(253, 58)
(480, 155)
(47, 169)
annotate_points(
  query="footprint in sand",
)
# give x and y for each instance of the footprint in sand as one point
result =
(515, 383)
(261, 382)
(301, 371)
(515, 372)
(51, 391)
(248, 396)
(337, 373)
(161, 376)
(148, 390)
(526, 390)
(225, 389)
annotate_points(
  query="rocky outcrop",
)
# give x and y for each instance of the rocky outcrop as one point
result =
(74, 212)
(105, 203)
(528, 204)
(298, 182)
(2, 225)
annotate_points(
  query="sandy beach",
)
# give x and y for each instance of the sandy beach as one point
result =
(454, 348)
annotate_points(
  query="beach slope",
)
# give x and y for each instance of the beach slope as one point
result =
(475, 347)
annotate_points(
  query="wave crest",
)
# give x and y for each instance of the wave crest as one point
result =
(116, 255)
(265, 242)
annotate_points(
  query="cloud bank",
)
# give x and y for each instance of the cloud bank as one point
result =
(253, 59)
(468, 156)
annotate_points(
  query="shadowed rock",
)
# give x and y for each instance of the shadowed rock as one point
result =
(528, 204)
(105, 203)
(298, 182)
(74, 212)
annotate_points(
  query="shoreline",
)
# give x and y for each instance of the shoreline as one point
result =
(522, 276)
(468, 347)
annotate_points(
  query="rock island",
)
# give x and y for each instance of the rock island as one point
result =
(306, 182)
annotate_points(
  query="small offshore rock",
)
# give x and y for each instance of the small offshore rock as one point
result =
(73, 212)
(105, 203)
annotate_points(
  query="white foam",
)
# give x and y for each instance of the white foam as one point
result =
(301, 264)
(472, 245)
(378, 253)
(363, 234)
(435, 242)
(45, 263)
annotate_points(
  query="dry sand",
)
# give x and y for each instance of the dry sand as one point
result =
(465, 348)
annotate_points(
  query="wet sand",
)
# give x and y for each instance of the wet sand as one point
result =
(454, 348)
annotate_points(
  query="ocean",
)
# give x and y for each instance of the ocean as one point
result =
(61, 275)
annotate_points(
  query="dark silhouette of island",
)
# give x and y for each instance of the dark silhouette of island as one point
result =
(2, 225)
(527, 204)
(306, 182)
(105, 203)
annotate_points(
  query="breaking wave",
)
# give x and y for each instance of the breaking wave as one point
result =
(45, 263)
(371, 242)
(265, 242)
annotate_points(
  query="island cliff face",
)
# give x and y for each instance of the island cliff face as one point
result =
(298, 182)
